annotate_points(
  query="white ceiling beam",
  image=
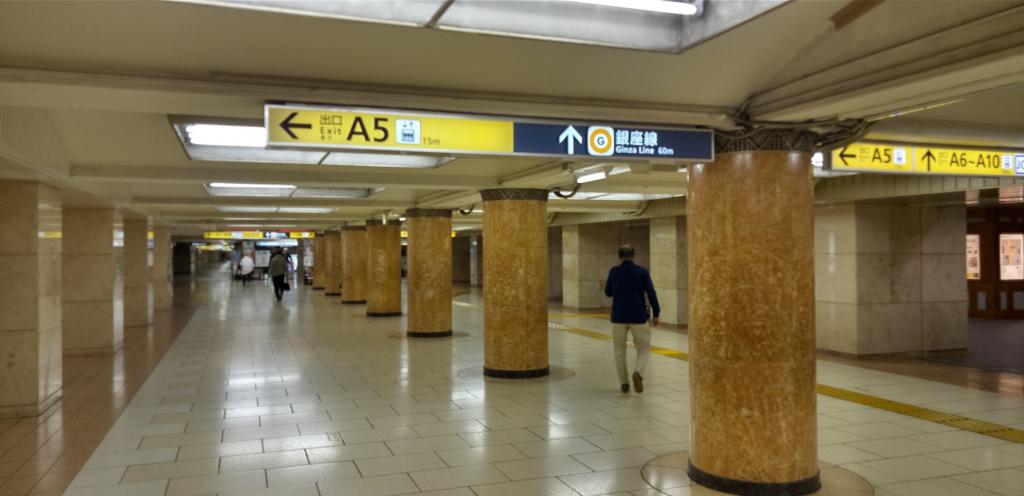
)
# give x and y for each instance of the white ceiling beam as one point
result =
(952, 63)
(242, 96)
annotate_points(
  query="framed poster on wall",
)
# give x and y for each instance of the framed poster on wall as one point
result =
(1011, 257)
(973, 257)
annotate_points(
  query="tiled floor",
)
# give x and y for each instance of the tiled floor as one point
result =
(41, 455)
(310, 397)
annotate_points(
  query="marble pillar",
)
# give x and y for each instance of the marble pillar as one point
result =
(668, 255)
(332, 261)
(30, 307)
(355, 264)
(319, 263)
(430, 269)
(162, 273)
(515, 287)
(92, 283)
(752, 353)
(384, 270)
(138, 299)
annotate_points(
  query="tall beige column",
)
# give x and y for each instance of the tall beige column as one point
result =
(752, 352)
(332, 263)
(668, 256)
(516, 283)
(93, 318)
(354, 264)
(138, 298)
(429, 257)
(384, 273)
(162, 289)
(319, 264)
(30, 305)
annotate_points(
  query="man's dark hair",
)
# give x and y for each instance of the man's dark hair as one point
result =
(626, 251)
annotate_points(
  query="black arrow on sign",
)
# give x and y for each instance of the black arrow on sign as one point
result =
(928, 156)
(288, 125)
(843, 155)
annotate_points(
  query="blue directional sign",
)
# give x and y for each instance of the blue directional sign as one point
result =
(618, 141)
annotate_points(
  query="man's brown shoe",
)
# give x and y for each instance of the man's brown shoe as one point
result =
(638, 382)
(625, 388)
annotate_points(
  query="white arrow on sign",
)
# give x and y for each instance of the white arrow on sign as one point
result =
(573, 136)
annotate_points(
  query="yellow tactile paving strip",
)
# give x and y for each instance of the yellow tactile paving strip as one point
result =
(963, 423)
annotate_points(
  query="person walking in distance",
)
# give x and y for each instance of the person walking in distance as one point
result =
(630, 288)
(278, 270)
(245, 268)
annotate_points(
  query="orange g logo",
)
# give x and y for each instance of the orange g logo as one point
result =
(600, 140)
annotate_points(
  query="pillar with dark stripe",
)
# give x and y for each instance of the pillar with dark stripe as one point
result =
(354, 264)
(516, 283)
(752, 346)
(430, 272)
(384, 277)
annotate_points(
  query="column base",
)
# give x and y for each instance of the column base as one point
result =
(100, 350)
(383, 314)
(22, 411)
(748, 488)
(420, 334)
(354, 302)
(516, 374)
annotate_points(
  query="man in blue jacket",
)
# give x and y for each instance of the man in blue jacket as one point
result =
(628, 285)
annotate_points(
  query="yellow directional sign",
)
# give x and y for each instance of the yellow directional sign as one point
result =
(872, 157)
(927, 159)
(233, 235)
(385, 130)
(324, 127)
(964, 162)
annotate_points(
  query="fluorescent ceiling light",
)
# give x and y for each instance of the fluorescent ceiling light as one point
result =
(659, 6)
(588, 177)
(303, 192)
(619, 169)
(226, 135)
(264, 210)
(632, 197)
(252, 185)
(306, 210)
(247, 189)
(604, 195)
(259, 155)
(385, 160)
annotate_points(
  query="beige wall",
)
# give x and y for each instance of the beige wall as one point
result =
(30, 304)
(668, 254)
(890, 278)
(589, 251)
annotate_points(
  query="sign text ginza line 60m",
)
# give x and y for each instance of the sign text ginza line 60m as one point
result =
(306, 126)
